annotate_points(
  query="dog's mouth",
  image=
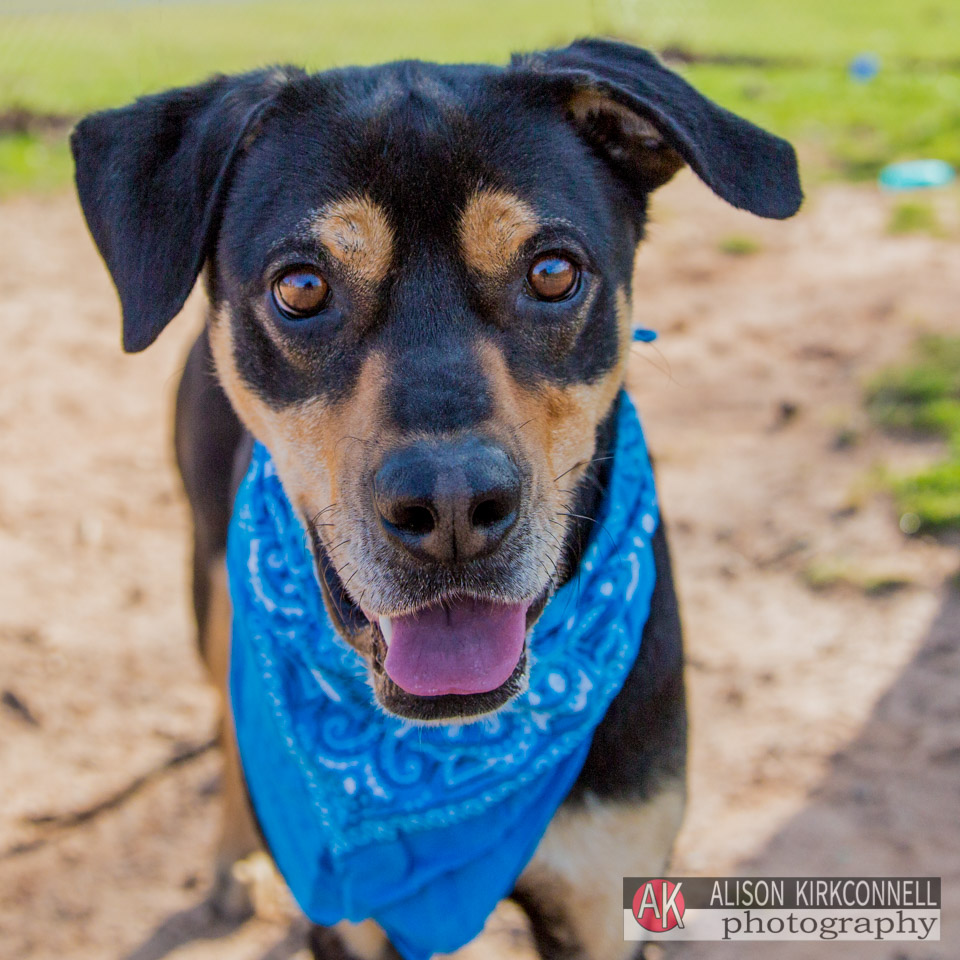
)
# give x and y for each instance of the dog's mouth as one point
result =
(453, 659)
(461, 647)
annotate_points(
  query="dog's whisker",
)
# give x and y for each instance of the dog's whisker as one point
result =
(599, 526)
(557, 540)
(588, 479)
(664, 368)
(581, 463)
(317, 516)
(349, 436)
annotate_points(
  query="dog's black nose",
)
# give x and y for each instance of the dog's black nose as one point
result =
(448, 502)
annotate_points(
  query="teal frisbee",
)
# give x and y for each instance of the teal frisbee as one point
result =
(916, 175)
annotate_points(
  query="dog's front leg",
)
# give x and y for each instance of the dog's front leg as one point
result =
(572, 890)
(238, 834)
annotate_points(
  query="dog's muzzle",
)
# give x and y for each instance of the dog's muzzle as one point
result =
(448, 503)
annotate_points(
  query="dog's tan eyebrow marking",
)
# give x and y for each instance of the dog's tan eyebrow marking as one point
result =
(358, 234)
(494, 225)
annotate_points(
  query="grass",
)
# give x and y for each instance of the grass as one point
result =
(33, 163)
(853, 129)
(739, 245)
(914, 216)
(932, 496)
(923, 397)
(76, 61)
(786, 72)
(821, 30)
(827, 573)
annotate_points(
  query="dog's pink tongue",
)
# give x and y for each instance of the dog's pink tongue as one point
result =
(471, 646)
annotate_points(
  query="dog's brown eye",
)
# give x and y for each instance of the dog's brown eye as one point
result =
(300, 293)
(553, 277)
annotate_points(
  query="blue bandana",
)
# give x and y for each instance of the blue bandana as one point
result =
(421, 828)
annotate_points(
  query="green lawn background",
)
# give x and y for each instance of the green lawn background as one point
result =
(786, 63)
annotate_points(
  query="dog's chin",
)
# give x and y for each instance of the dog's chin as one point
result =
(365, 635)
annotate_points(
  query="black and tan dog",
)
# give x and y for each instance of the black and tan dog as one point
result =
(420, 301)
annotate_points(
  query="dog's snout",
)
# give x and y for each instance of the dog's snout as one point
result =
(448, 502)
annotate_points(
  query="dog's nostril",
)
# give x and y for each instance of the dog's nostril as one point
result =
(488, 513)
(413, 518)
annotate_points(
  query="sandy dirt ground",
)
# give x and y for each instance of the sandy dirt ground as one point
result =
(825, 732)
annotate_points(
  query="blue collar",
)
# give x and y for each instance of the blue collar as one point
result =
(423, 829)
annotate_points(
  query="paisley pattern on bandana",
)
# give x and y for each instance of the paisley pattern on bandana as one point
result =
(368, 815)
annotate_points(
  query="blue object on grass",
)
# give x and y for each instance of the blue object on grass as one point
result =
(864, 67)
(422, 828)
(916, 175)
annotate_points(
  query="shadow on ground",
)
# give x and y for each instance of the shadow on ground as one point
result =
(201, 922)
(890, 804)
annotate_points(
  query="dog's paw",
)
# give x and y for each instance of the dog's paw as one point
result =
(230, 899)
(266, 893)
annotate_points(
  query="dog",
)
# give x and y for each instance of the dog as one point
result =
(420, 301)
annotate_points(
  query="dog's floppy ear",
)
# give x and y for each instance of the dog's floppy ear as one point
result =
(151, 177)
(646, 121)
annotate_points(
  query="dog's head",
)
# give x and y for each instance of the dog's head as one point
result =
(421, 304)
